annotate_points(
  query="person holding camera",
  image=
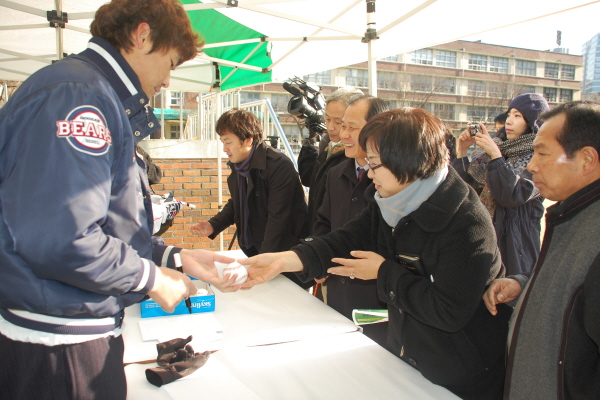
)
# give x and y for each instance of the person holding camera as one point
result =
(313, 165)
(497, 171)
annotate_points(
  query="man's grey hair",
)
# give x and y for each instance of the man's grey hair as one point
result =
(344, 95)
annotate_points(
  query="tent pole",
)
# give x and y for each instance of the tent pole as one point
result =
(372, 65)
(218, 109)
(59, 31)
(370, 37)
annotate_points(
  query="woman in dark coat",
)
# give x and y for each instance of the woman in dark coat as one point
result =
(429, 242)
(498, 172)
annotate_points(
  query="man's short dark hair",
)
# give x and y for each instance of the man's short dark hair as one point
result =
(375, 105)
(411, 142)
(581, 128)
(168, 21)
(241, 123)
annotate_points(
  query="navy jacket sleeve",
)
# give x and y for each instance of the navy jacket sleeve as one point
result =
(509, 189)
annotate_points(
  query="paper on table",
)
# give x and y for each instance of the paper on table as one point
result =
(203, 327)
(212, 381)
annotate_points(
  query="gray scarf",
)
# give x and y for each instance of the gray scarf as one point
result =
(395, 207)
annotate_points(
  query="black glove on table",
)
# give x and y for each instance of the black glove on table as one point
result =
(176, 359)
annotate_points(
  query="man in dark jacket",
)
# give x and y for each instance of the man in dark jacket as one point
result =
(313, 165)
(344, 199)
(75, 210)
(554, 337)
(267, 203)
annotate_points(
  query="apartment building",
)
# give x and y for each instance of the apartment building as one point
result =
(459, 81)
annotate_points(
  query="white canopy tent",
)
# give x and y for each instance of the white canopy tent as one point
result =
(299, 36)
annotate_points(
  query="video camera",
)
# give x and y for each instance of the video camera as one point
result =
(307, 102)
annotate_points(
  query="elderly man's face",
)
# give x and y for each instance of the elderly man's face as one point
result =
(352, 123)
(556, 176)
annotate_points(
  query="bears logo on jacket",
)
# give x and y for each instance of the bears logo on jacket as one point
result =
(86, 131)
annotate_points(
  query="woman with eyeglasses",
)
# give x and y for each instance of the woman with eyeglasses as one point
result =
(430, 244)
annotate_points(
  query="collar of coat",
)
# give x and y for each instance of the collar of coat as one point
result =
(259, 158)
(347, 168)
(125, 83)
(438, 210)
(564, 211)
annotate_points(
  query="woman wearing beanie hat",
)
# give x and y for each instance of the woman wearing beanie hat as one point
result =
(498, 172)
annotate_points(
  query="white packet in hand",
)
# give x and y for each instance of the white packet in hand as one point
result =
(233, 268)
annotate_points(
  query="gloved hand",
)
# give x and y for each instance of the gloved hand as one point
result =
(175, 362)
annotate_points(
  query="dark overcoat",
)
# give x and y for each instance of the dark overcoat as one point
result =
(276, 202)
(344, 199)
(438, 322)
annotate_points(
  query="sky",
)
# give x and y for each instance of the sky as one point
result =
(577, 26)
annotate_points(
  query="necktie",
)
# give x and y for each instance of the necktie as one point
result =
(361, 172)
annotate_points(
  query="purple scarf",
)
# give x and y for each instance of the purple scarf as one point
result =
(243, 172)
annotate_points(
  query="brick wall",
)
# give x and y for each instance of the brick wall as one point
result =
(193, 181)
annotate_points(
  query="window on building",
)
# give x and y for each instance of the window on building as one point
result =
(476, 88)
(357, 77)
(498, 90)
(445, 85)
(476, 113)
(477, 62)
(420, 83)
(444, 111)
(445, 59)
(423, 56)
(388, 80)
(280, 102)
(175, 98)
(568, 72)
(550, 94)
(499, 64)
(551, 71)
(393, 104)
(320, 78)
(249, 97)
(566, 95)
(525, 68)
(390, 58)
(493, 112)
(528, 89)
(174, 131)
(292, 132)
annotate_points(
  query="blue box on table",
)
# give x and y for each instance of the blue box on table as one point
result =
(200, 304)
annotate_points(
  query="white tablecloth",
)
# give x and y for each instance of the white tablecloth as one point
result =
(279, 343)
(342, 366)
(278, 311)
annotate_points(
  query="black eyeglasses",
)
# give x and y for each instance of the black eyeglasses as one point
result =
(372, 166)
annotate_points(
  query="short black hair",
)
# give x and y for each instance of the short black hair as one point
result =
(241, 123)
(581, 128)
(411, 142)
